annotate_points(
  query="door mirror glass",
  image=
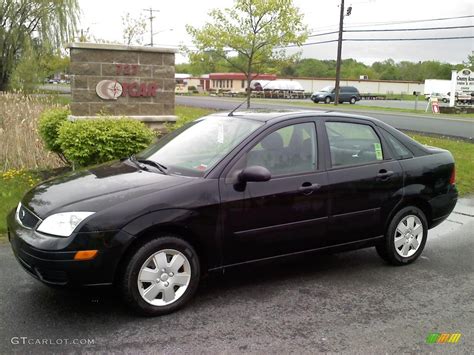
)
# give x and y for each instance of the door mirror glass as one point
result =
(254, 173)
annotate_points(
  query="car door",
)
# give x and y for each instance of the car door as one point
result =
(289, 212)
(365, 183)
(343, 94)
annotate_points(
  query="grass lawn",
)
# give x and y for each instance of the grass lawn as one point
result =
(463, 153)
(360, 106)
(187, 114)
(15, 183)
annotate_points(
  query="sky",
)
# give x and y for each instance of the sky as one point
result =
(103, 19)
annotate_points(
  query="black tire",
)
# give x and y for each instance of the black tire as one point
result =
(129, 281)
(353, 100)
(327, 100)
(386, 249)
(445, 100)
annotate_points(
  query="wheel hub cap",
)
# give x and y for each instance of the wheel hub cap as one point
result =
(408, 236)
(164, 277)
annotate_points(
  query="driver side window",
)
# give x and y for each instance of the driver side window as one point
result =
(289, 150)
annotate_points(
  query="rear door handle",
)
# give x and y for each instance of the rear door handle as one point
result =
(307, 188)
(384, 175)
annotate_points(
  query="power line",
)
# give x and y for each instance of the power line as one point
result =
(386, 23)
(380, 40)
(323, 34)
(405, 39)
(412, 29)
(396, 30)
(309, 44)
(409, 21)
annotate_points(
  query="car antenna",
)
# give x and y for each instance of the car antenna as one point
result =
(231, 113)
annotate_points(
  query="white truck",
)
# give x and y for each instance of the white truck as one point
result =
(437, 88)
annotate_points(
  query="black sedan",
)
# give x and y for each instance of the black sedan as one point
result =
(230, 189)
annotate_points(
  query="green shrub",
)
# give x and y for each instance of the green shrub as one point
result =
(87, 142)
(49, 123)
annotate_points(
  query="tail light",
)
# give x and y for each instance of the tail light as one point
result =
(452, 179)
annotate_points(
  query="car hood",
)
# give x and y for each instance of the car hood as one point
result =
(321, 93)
(96, 188)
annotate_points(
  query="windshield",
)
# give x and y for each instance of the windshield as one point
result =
(327, 89)
(197, 147)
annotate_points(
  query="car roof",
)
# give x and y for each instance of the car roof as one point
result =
(273, 116)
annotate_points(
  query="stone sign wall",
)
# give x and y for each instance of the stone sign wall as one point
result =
(121, 80)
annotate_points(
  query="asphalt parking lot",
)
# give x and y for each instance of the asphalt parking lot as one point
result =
(349, 302)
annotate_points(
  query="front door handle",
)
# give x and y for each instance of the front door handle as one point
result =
(308, 188)
(384, 175)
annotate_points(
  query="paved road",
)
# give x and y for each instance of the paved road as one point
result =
(405, 104)
(60, 88)
(456, 127)
(350, 302)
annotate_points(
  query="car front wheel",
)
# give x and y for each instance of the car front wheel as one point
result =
(405, 237)
(327, 100)
(353, 100)
(161, 276)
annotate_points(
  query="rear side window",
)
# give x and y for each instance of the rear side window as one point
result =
(348, 89)
(353, 143)
(399, 149)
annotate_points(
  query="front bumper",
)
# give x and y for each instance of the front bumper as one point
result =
(54, 264)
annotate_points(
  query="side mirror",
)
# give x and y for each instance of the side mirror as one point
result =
(254, 173)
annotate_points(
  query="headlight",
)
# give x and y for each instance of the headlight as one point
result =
(63, 224)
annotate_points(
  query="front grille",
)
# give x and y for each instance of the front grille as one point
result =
(26, 217)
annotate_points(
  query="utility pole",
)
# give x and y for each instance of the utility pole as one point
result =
(151, 18)
(339, 50)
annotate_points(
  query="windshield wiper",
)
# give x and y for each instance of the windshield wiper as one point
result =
(139, 165)
(159, 166)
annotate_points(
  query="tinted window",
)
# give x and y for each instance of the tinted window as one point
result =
(400, 150)
(199, 146)
(348, 89)
(289, 150)
(353, 143)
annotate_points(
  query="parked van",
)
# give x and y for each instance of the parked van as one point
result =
(327, 95)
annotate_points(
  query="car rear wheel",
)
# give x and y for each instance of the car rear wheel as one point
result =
(405, 237)
(353, 100)
(327, 100)
(161, 276)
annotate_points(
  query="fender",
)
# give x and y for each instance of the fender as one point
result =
(201, 228)
(172, 216)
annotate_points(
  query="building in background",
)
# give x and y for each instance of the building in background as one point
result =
(236, 83)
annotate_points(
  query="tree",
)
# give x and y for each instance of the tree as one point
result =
(250, 35)
(49, 24)
(133, 29)
(469, 63)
